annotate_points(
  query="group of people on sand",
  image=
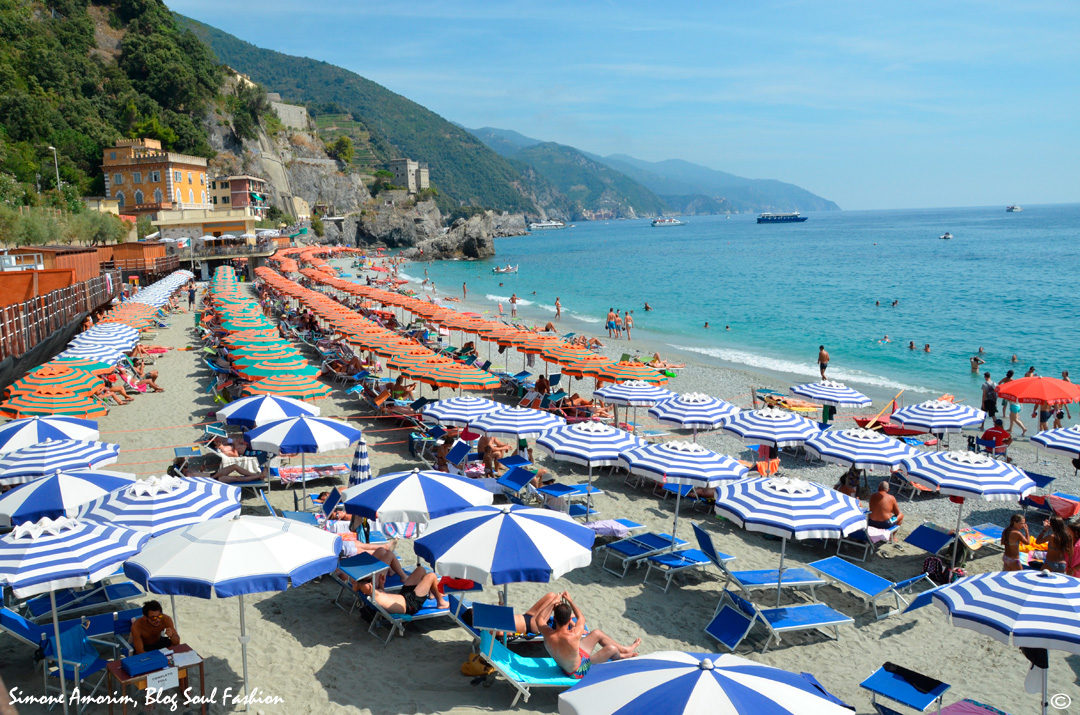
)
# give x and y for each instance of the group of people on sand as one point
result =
(616, 324)
(1058, 543)
(1049, 416)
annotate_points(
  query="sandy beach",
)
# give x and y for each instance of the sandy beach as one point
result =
(316, 658)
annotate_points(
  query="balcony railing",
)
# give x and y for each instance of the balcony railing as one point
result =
(161, 264)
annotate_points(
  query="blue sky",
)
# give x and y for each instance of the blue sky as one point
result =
(873, 105)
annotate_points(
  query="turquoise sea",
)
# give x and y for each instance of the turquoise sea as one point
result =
(1005, 282)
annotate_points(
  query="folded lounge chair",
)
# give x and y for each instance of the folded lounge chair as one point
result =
(904, 686)
(735, 618)
(634, 549)
(108, 629)
(868, 586)
(522, 673)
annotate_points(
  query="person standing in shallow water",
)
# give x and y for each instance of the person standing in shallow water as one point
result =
(823, 360)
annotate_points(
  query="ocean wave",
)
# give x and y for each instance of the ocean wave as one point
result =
(506, 299)
(409, 278)
(586, 318)
(545, 306)
(752, 360)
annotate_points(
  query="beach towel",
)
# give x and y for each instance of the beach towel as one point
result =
(608, 527)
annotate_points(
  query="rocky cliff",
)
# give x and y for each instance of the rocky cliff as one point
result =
(396, 226)
(469, 239)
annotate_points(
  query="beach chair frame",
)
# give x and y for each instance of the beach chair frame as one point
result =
(785, 619)
(523, 674)
(673, 563)
(867, 585)
(634, 549)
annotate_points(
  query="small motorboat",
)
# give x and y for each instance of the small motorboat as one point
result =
(945, 236)
(504, 269)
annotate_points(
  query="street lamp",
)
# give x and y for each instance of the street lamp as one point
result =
(56, 165)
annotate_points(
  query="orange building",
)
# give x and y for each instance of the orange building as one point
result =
(145, 179)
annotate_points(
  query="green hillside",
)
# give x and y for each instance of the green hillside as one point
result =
(59, 88)
(462, 168)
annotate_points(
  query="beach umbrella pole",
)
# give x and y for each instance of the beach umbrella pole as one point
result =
(243, 650)
(172, 603)
(303, 478)
(675, 524)
(60, 653)
(780, 571)
(956, 538)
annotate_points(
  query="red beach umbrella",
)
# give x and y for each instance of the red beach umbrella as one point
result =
(1033, 390)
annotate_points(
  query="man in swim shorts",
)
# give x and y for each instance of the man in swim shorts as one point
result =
(610, 325)
(884, 511)
(822, 360)
(415, 591)
(568, 644)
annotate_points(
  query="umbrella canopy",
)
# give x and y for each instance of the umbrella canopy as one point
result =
(95, 353)
(634, 393)
(587, 366)
(287, 366)
(91, 366)
(413, 496)
(303, 435)
(43, 402)
(58, 378)
(771, 426)
(260, 409)
(564, 353)
(967, 474)
(26, 432)
(297, 386)
(789, 508)
(832, 393)
(160, 504)
(517, 423)
(58, 494)
(506, 544)
(1066, 439)
(53, 455)
(693, 684)
(938, 416)
(460, 411)
(1038, 390)
(861, 448)
(118, 335)
(694, 410)
(682, 463)
(624, 371)
(592, 444)
(456, 376)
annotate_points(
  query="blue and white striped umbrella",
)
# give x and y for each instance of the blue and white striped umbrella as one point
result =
(360, 470)
(517, 423)
(694, 410)
(832, 393)
(938, 416)
(791, 509)
(258, 410)
(414, 496)
(53, 455)
(233, 557)
(100, 353)
(160, 504)
(31, 430)
(58, 494)
(861, 448)
(117, 335)
(634, 393)
(693, 684)
(459, 411)
(303, 435)
(771, 426)
(591, 444)
(1065, 439)
(506, 544)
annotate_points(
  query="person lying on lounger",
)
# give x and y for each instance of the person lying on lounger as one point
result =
(578, 406)
(415, 591)
(383, 552)
(568, 644)
(524, 623)
(494, 445)
(660, 364)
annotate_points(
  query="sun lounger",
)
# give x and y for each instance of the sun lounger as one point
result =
(633, 550)
(970, 707)
(865, 584)
(735, 618)
(513, 481)
(71, 600)
(929, 538)
(108, 629)
(350, 572)
(396, 621)
(899, 685)
(757, 579)
(866, 541)
(675, 562)
(522, 673)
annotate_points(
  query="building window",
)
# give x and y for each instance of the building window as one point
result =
(189, 178)
(178, 199)
(224, 199)
(202, 179)
(120, 199)
(112, 155)
(136, 178)
(202, 197)
(118, 179)
(190, 196)
(176, 176)
(155, 176)
(158, 196)
(213, 184)
(138, 197)
(215, 200)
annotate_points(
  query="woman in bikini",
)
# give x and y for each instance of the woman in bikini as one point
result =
(1015, 534)
(1059, 544)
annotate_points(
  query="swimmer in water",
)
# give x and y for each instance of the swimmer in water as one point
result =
(706, 324)
(926, 348)
(648, 307)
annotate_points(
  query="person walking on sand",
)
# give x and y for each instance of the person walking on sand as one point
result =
(513, 305)
(558, 309)
(823, 360)
(628, 322)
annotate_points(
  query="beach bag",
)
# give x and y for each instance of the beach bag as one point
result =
(475, 667)
(936, 569)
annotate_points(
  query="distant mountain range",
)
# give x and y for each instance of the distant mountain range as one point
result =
(682, 186)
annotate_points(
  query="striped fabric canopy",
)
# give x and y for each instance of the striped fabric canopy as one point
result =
(789, 508)
(624, 371)
(46, 555)
(1066, 439)
(455, 376)
(157, 505)
(592, 444)
(360, 469)
(98, 353)
(506, 544)
(861, 448)
(1026, 609)
(258, 410)
(694, 410)
(115, 334)
(634, 393)
(303, 435)
(58, 494)
(771, 426)
(53, 455)
(693, 684)
(832, 393)
(57, 377)
(939, 416)
(414, 496)
(682, 463)
(31, 430)
(297, 386)
(459, 411)
(517, 423)
(968, 474)
(47, 401)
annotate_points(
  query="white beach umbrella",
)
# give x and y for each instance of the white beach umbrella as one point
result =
(832, 393)
(694, 410)
(861, 448)
(771, 426)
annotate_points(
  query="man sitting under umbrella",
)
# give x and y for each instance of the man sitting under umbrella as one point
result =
(154, 630)
(570, 646)
(884, 511)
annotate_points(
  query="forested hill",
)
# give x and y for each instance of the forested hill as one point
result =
(462, 167)
(77, 76)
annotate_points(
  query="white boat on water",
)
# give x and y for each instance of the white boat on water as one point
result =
(504, 269)
(546, 225)
(667, 221)
(1014, 209)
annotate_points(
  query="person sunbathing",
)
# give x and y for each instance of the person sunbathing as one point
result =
(383, 552)
(543, 386)
(568, 643)
(525, 623)
(402, 390)
(139, 351)
(146, 377)
(494, 445)
(660, 364)
(415, 591)
(468, 349)
(578, 406)
(115, 384)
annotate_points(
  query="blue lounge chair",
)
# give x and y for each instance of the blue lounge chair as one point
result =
(633, 550)
(735, 618)
(895, 683)
(396, 621)
(750, 580)
(672, 563)
(868, 586)
(513, 481)
(929, 538)
(70, 601)
(522, 673)
(109, 629)
(351, 571)
(81, 661)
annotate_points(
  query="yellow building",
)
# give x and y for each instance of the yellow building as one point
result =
(145, 179)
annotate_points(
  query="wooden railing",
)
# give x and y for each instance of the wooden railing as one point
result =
(161, 264)
(24, 325)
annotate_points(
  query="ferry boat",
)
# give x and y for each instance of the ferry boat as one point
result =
(788, 217)
(1014, 209)
(546, 225)
(667, 221)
